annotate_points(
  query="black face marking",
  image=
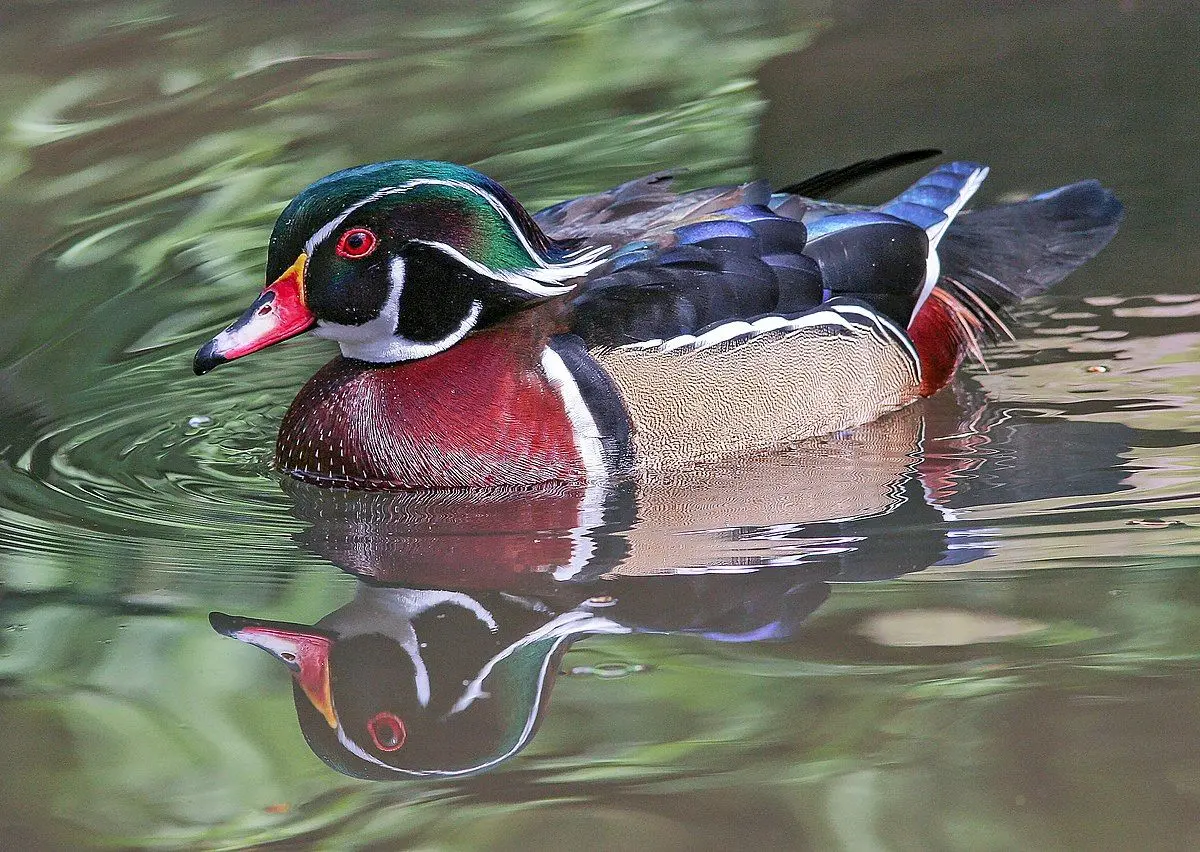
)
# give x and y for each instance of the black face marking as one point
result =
(347, 292)
(438, 293)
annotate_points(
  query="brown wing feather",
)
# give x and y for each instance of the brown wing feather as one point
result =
(644, 209)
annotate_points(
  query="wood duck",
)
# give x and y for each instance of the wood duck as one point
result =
(632, 331)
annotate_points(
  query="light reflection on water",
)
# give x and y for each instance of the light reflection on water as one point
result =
(975, 702)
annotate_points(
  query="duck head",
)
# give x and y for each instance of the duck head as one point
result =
(397, 261)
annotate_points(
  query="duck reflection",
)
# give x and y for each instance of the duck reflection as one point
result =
(421, 682)
(443, 662)
(434, 682)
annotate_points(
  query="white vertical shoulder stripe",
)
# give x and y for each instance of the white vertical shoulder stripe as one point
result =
(587, 435)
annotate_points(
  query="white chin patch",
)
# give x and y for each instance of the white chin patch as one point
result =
(376, 341)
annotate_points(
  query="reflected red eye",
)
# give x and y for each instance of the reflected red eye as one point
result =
(387, 731)
(356, 243)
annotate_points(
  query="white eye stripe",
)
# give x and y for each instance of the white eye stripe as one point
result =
(545, 281)
(573, 260)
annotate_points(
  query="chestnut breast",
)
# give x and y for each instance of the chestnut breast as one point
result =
(483, 413)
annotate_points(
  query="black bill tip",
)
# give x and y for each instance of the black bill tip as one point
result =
(207, 358)
(226, 625)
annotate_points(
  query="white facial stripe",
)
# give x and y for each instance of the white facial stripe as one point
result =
(574, 261)
(376, 341)
(396, 347)
(399, 348)
(530, 281)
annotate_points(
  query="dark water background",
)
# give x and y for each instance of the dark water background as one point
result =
(777, 676)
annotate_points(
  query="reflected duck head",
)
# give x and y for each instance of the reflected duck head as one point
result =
(417, 683)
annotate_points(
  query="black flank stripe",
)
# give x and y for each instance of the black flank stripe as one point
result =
(882, 329)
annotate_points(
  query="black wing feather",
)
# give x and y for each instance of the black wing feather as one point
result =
(684, 288)
(823, 184)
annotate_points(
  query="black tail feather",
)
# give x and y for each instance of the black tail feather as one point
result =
(1008, 253)
(823, 184)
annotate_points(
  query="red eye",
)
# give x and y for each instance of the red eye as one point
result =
(387, 731)
(356, 243)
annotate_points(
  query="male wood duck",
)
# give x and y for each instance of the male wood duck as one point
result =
(632, 331)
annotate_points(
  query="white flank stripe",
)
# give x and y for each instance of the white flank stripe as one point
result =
(933, 264)
(729, 330)
(770, 323)
(587, 435)
(721, 333)
(677, 343)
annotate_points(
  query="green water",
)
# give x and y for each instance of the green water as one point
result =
(975, 625)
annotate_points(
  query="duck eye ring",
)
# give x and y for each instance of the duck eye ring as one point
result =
(387, 731)
(356, 243)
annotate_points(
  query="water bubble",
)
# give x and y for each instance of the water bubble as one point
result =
(199, 421)
(608, 671)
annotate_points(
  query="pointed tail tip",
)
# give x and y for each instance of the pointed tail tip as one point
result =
(1010, 252)
(1087, 202)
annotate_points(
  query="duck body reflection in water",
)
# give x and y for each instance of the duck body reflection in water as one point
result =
(443, 663)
